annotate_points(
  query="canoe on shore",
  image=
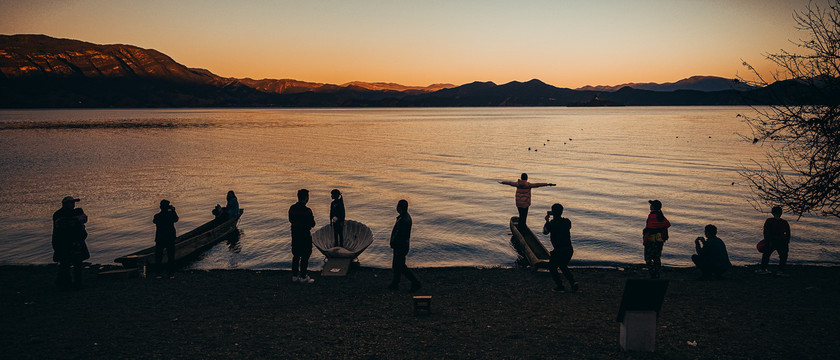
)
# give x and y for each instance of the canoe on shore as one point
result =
(188, 244)
(528, 245)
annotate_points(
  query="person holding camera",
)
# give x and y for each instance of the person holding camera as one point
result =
(712, 258)
(165, 238)
(561, 239)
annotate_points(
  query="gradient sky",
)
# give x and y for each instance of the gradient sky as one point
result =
(564, 43)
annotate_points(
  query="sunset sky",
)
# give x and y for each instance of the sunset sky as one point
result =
(564, 43)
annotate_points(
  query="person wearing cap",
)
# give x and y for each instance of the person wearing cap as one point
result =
(165, 238)
(523, 195)
(654, 236)
(561, 239)
(712, 258)
(302, 220)
(68, 242)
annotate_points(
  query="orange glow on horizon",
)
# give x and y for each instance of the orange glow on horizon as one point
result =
(418, 43)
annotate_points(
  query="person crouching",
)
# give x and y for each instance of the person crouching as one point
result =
(712, 258)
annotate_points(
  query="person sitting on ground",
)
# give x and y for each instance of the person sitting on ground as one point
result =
(712, 258)
(777, 238)
(523, 195)
(561, 239)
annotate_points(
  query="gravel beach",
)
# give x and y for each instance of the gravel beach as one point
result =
(476, 313)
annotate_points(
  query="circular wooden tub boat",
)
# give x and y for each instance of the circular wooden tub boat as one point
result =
(357, 238)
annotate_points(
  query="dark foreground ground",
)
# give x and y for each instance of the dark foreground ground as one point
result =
(477, 313)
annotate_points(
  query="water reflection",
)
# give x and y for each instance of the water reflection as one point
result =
(445, 162)
(232, 241)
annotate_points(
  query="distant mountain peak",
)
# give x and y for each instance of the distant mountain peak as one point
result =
(35, 55)
(383, 86)
(696, 82)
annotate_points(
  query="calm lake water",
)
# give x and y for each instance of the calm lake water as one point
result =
(606, 162)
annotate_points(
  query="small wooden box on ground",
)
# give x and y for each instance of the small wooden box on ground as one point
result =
(422, 303)
(640, 305)
(638, 331)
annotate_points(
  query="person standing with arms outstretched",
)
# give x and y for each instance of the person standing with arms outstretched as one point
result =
(302, 221)
(654, 236)
(561, 239)
(777, 237)
(400, 236)
(337, 216)
(165, 238)
(523, 195)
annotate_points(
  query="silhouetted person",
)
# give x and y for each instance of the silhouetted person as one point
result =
(777, 237)
(712, 258)
(68, 242)
(400, 238)
(337, 216)
(165, 238)
(232, 207)
(220, 214)
(302, 221)
(654, 236)
(561, 239)
(523, 195)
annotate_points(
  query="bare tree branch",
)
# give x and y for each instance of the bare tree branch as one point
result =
(802, 129)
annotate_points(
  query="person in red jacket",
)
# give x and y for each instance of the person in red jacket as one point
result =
(523, 195)
(654, 236)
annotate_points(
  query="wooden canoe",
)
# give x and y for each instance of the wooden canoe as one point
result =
(528, 245)
(188, 244)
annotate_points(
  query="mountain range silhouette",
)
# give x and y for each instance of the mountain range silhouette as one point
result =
(38, 71)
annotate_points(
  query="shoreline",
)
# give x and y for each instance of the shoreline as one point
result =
(574, 264)
(476, 313)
